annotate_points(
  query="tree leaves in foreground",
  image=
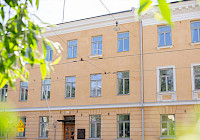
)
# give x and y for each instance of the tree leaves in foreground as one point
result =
(19, 45)
(162, 5)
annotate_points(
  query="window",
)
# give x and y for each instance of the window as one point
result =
(72, 49)
(195, 28)
(123, 126)
(44, 126)
(23, 91)
(22, 134)
(70, 87)
(123, 41)
(3, 93)
(49, 53)
(96, 45)
(168, 125)
(95, 89)
(166, 79)
(196, 77)
(46, 89)
(95, 126)
(164, 35)
(123, 83)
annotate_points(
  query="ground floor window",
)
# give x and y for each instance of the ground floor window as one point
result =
(22, 134)
(168, 125)
(44, 126)
(95, 126)
(123, 125)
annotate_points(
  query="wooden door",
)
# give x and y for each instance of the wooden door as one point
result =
(69, 131)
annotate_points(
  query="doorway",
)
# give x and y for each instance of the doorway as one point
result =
(69, 127)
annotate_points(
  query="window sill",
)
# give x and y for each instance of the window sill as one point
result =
(69, 97)
(44, 99)
(20, 137)
(95, 96)
(194, 43)
(42, 138)
(164, 47)
(122, 51)
(71, 58)
(22, 100)
(123, 139)
(94, 139)
(167, 137)
(122, 94)
(96, 56)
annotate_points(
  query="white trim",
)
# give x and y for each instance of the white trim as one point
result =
(172, 93)
(194, 43)
(103, 106)
(164, 47)
(96, 56)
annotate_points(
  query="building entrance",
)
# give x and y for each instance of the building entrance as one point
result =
(69, 127)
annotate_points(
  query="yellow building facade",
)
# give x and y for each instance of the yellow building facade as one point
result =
(96, 91)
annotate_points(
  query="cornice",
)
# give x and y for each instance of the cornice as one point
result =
(106, 106)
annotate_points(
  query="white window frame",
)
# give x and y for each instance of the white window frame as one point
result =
(164, 46)
(123, 42)
(172, 93)
(71, 83)
(97, 42)
(96, 81)
(46, 125)
(95, 123)
(25, 87)
(5, 93)
(123, 83)
(167, 136)
(72, 46)
(22, 134)
(124, 127)
(195, 28)
(46, 91)
(194, 91)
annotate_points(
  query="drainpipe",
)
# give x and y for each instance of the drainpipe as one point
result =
(142, 75)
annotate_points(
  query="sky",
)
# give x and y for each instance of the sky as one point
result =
(51, 11)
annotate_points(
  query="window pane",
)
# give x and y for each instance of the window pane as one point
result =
(99, 88)
(68, 87)
(75, 52)
(161, 39)
(170, 83)
(92, 130)
(164, 125)
(22, 94)
(120, 45)
(124, 118)
(168, 38)
(120, 130)
(93, 89)
(197, 83)
(94, 48)
(194, 35)
(126, 45)
(96, 77)
(123, 35)
(71, 79)
(171, 118)
(164, 28)
(197, 69)
(164, 131)
(72, 43)
(120, 86)
(163, 84)
(69, 52)
(51, 55)
(73, 90)
(127, 129)
(42, 131)
(99, 48)
(126, 86)
(164, 118)
(166, 72)
(124, 74)
(171, 129)
(98, 130)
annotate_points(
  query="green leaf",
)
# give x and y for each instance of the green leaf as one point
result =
(43, 70)
(144, 5)
(165, 11)
(37, 3)
(3, 80)
(56, 61)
